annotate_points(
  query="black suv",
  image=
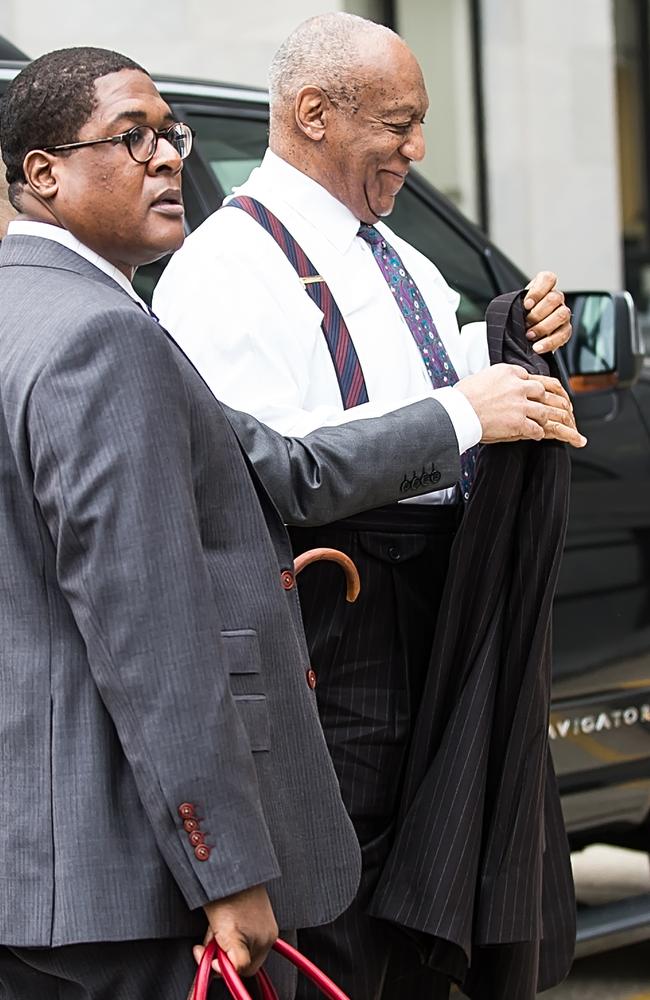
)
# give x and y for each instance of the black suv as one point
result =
(600, 721)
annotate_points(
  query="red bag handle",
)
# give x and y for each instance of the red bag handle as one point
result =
(236, 987)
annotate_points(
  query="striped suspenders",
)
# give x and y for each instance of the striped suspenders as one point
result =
(337, 337)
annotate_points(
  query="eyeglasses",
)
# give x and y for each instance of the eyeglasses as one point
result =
(141, 141)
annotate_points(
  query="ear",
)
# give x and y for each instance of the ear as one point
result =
(311, 110)
(39, 170)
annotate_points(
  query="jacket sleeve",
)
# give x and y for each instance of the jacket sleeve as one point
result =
(335, 472)
(111, 449)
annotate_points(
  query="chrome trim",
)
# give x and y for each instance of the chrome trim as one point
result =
(181, 88)
(211, 90)
(638, 346)
(611, 925)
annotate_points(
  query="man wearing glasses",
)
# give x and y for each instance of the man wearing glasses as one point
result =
(162, 760)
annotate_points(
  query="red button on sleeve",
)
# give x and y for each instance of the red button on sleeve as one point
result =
(196, 838)
(311, 679)
(186, 810)
(191, 824)
(202, 852)
(288, 580)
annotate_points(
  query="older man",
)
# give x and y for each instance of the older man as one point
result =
(347, 105)
(163, 765)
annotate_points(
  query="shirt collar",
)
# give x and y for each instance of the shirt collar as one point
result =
(45, 231)
(330, 217)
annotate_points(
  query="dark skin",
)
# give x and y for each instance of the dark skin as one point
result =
(362, 152)
(131, 213)
(7, 213)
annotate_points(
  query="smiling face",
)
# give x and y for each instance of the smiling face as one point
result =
(367, 150)
(130, 213)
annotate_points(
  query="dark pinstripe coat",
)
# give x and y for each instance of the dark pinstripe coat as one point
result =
(479, 870)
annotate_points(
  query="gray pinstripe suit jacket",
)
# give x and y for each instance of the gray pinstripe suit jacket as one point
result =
(149, 655)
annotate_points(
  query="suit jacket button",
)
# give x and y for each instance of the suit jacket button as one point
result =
(311, 678)
(196, 838)
(202, 852)
(191, 824)
(394, 553)
(186, 810)
(287, 578)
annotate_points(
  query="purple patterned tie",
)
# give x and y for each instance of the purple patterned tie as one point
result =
(418, 319)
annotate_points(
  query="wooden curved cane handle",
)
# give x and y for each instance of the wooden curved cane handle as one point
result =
(352, 582)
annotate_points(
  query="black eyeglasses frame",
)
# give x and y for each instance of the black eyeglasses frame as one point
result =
(160, 133)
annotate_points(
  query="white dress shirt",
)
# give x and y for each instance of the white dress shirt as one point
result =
(238, 310)
(47, 232)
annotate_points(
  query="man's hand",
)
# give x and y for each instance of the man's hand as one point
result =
(548, 319)
(565, 429)
(513, 406)
(244, 927)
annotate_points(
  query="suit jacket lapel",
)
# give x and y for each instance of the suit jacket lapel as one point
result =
(34, 251)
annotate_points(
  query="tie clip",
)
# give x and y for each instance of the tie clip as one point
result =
(312, 279)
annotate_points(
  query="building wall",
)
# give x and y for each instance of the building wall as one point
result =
(439, 34)
(233, 42)
(552, 152)
(548, 93)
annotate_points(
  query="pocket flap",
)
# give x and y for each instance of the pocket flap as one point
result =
(243, 651)
(393, 549)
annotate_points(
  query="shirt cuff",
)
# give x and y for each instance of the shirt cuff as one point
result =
(462, 414)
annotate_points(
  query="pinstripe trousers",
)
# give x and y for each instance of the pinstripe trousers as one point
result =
(371, 660)
(472, 862)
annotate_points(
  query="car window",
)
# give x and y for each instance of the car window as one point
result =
(233, 146)
(592, 348)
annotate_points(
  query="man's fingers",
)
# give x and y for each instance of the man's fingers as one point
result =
(197, 953)
(556, 339)
(532, 429)
(558, 415)
(559, 402)
(243, 960)
(550, 310)
(560, 432)
(553, 385)
(539, 413)
(239, 955)
(198, 949)
(244, 926)
(534, 389)
(546, 322)
(543, 283)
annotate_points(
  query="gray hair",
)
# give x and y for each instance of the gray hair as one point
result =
(325, 51)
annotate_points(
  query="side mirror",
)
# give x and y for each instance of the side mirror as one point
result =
(605, 350)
